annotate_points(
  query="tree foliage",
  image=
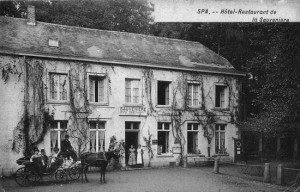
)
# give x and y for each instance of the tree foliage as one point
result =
(117, 15)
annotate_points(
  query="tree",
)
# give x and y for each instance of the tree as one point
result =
(117, 15)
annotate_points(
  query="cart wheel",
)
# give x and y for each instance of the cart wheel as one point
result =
(61, 175)
(74, 173)
(21, 177)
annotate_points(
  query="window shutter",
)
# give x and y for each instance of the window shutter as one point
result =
(167, 102)
(92, 90)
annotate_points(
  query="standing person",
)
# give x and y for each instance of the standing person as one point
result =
(131, 159)
(67, 149)
(139, 160)
(45, 160)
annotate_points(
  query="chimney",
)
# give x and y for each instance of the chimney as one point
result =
(31, 15)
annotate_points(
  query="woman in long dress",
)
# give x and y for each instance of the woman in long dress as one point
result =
(131, 159)
(139, 160)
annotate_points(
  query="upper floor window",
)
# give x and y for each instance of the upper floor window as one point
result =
(97, 136)
(220, 138)
(163, 92)
(221, 96)
(57, 133)
(193, 97)
(132, 91)
(192, 137)
(58, 86)
(97, 89)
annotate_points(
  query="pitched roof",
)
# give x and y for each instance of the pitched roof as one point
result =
(108, 46)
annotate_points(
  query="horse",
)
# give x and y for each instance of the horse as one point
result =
(89, 159)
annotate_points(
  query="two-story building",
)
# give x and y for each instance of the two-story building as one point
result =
(95, 85)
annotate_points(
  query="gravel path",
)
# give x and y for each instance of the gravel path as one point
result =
(154, 180)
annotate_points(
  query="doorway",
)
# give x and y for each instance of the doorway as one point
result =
(131, 137)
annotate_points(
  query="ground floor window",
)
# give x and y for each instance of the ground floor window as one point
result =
(58, 132)
(97, 136)
(192, 138)
(163, 132)
(220, 138)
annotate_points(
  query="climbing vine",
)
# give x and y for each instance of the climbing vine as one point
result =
(79, 104)
(36, 118)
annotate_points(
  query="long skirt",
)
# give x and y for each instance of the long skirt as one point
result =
(131, 160)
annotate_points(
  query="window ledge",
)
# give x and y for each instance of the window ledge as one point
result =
(222, 109)
(165, 155)
(99, 104)
(133, 105)
(195, 155)
(193, 107)
(58, 102)
(163, 106)
(215, 155)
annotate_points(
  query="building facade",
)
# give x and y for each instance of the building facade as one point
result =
(97, 85)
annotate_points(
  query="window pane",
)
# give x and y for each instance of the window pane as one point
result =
(101, 140)
(63, 87)
(167, 126)
(127, 91)
(101, 125)
(159, 126)
(101, 90)
(189, 126)
(195, 94)
(92, 125)
(93, 141)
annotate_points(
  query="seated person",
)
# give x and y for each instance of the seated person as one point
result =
(45, 160)
(55, 162)
(37, 161)
(67, 149)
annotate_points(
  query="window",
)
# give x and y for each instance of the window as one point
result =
(163, 132)
(220, 96)
(193, 94)
(163, 95)
(97, 136)
(220, 138)
(57, 133)
(132, 125)
(132, 91)
(97, 89)
(192, 137)
(58, 86)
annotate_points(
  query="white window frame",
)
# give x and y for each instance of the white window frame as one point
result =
(59, 133)
(226, 96)
(219, 137)
(131, 103)
(169, 135)
(58, 87)
(192, 94)
(170, 93)
(100, 76)
(194, 130)
(98, 130)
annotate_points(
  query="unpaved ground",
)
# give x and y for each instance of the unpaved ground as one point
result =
(154, 180)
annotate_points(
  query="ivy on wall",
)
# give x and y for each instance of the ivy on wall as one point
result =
(36, 118)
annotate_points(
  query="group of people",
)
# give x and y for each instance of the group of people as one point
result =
(135, 156)
(43, 163)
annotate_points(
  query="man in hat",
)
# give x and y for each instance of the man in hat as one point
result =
(67, 149)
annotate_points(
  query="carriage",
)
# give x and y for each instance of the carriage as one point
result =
(63, 171)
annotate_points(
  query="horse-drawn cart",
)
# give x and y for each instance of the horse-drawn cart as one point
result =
(28, 174)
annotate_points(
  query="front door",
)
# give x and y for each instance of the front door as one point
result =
(131, 137)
